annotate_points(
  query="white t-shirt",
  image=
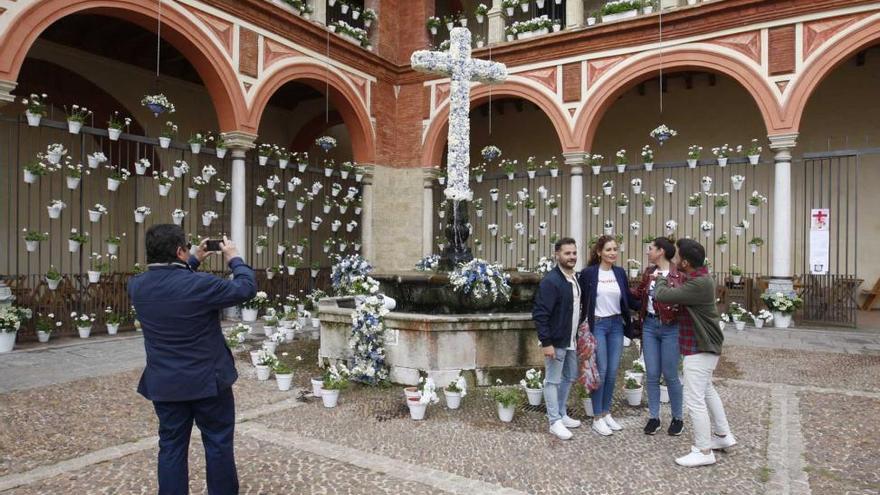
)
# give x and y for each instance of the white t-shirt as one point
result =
(576, 310)
(662, 273)
(607, 294)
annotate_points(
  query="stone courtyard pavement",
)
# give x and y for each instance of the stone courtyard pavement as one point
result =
(72, 423)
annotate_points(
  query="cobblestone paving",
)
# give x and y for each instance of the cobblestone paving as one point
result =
(262, 469)
(840, 371)
(842, 438)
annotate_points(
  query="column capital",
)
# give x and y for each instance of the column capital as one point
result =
(429, 175)
(6, 88)
(575, 161)
(781, 142)
(369, 170)
(239, 140)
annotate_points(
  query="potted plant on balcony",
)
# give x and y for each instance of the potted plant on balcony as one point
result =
(736, 274)
(622, 204)
(369, 16)
(595, 163)
(755, 202)
(76, 239)
(33, 238)
(34, 170)
(754, 152)
(76, 117)
(164, 182)
(169, 130)
(481, 12)
(722, 242)
(740, 228)
(158, 104)
(36, 108)
(694, 152)
(73, 174)
(648, 205)
(116, 124)
(755, 243)
(222, 190)
(433, 23)
(694, 202)
(620, 9)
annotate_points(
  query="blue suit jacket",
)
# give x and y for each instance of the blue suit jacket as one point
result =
(552, 312)
(179, 311)
(589, 281)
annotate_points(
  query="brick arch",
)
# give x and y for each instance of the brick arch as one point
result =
(435, 138)
(645, 66)
(344, 96)
(178, 29)
(834, 52)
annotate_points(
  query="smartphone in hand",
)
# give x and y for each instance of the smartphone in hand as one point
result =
(213, 245)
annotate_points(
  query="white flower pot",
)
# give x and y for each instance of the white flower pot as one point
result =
(607, 230)
(112, 328)
(164, 189)
(220, 152)
(7, 341)
(33, 119)
(588, 406)
(722, 248)
(342, 209)
(270, 222)
(195, 147)
(754, 248)
(315, 225)
(94, 276)
(29, 178)
(263, 372)
(262, 160)
(752, 209)
(621, 210)
(738, 231)
(637, 189)
(633, 272)
(31, 246)
(282, 163)
(692, 162)
(759, 323)
(740, 325)
(54, 157)
(706, 186)
(633, 396)
(505, 414)
(692, 2)
(722, 210)
(596, 169)
(206, 220)
(328, 172)
(607, 190)
(649, 166)
(53, 284)
(692, 209)
(261, 200)
(535, 396)
(270, 274)
(669, 188)
(621, 168)
(288, 334)
(591, 21)
(43, 337)
(74, 127)
(317, 387)
(620, 15)
(596, 210)
(648, 9)
(72, 246)
(344, 8)
(92, 161)
(753, 159)
(722, 162)
(453, 399)
(112, 184)
(249, 315)
(270, 347)
(72, 182)
(164, 142)
(177, 219)
(284, 381)
(664, 394)
(280, 203)
(84, 332)
(139, 217)
(554, 172)
(94, 216)
(255, 355)
(291, 270)
(219, 196)
(329, 397)
(649, 210)
(416, 409)
(113, 134)
(736, 278)
(140, 169)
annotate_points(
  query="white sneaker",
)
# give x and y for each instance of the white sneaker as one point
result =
(601, 428)
(570, 423)
(611, 423)
(725, 442)
(560, 430)
(696, 458)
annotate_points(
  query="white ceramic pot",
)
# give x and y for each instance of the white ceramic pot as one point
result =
(263, 372)
(692, 210)
(620, 15)
(621, 168)
(282, 163)
(316, 322)
(7, 341)
(261, 201)
(43, 337)
(740, 325)
(759, 323)
(177, 219)
(505, 414)
(535, 396)
(72, 246)
(633, 272)
(94, 276)
(270, 222)
(284, 381)
(249, 314)
(722, 162)
(328, 172)
(416, 409)
(31, 246)
(752, 209)
(113, 134)
(112, 328)
(33, 119)
(140, 169)
(453, 399)
(29, 178)
(164, 189)
(781, 320)
(164, 142)
(736, 278)
(84, 332)
(262, 160)
(73, 182)
(633, 396)
(268, 330)
(753, 159)
(54, 213)
(220, 152)
(94, 216)
(621, 209)
(317, 386)
(637, 189)
(139, 217)
(195, 147)
(53, 284)
(649, 210)
(112, 184)
(255, 355)
(329, 397)
(74, 127)
(280, 203)
(692, 162)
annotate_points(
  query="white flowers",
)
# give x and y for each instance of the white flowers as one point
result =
(82, 320)
(481, 280)
(100, 208)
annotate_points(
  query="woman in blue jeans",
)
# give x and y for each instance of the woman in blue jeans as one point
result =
(607, 301)
(660, 337)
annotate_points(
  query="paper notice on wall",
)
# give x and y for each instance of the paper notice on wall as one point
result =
(819, 240)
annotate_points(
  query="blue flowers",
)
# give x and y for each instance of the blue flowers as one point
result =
(480, 280)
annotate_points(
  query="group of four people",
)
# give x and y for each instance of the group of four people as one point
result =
(673, 305)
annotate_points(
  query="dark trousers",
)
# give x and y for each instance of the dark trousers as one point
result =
(215, 417)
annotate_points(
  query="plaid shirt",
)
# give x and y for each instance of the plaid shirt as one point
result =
(687, 339)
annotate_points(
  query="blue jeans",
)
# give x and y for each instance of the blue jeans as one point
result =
(660, 346)
(609, 337)
(559, 373)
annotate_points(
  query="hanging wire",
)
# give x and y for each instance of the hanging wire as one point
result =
(327, 81)
(660, 51)
(490, 96)
(158, 41)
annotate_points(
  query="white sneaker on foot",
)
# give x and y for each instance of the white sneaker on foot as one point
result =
(725, 442)
(601, 428)
(611, 423)
(560, 430)
(570, 423)
(696, 458)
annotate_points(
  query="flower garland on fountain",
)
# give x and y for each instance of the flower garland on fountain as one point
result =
(481, 281)
(367, 341)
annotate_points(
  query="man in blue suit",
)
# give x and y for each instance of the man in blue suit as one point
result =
(190, 371)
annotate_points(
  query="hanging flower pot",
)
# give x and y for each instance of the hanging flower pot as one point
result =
(219, 196)
(753, 159)
(261, 200)
(74, 127)
(621, 209)
(53, 283)
(33, 119)
(164, 189)
(195, 148)
(54, 212)
(621, 168)
(649, 210)
(753, 209)
(280, 203)
(649, 166)
(220, 152)
(692, 210)
(94, 216)
(164, 142)
(31, 246)
(692, 163)
(112, 184)
(343, 8)
(73, 182)
(597, 169)
(112, 248)
(113, 134)
(192, 192)
(94, 276)
(722, 162)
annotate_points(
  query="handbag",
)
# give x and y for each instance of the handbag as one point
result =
(588, 369)
(634, 330)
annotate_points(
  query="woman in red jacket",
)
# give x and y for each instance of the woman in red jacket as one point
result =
(660, 337)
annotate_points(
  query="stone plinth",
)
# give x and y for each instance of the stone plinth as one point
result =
(489, 346)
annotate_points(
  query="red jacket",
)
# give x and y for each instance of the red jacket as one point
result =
(668, 312)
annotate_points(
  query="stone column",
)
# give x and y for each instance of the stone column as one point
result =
(574, 14)
(496, 23)
(575, 161)
(428, 178)
(238, 143)
(368, 249)
(320, 10)
(781, 236)
(6, 88)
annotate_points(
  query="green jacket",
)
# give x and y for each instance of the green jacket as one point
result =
(698, 296)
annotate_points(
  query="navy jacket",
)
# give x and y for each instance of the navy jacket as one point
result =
(179, 311)
(554, 305)
(589, 280)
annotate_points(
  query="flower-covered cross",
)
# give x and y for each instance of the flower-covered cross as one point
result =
(462, 69)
